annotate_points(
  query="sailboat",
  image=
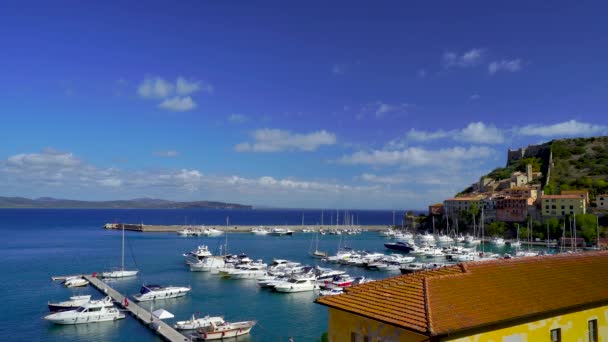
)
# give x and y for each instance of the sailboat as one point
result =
(122, 273)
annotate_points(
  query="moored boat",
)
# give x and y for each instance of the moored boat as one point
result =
(225, 330)
(75, 282)
(74, 303)
(92, 311)
(196, 323)
(152, 292)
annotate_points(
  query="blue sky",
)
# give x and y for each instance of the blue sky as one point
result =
(350, 105)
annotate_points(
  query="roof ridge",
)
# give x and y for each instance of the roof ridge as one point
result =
(427, 307)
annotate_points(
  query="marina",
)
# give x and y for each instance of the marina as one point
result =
(78, 245)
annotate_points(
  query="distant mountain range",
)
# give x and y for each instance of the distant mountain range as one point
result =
(137, 203)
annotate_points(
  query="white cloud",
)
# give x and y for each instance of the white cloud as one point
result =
(416, 156)
(178, 104)
(155, 87)
(478, 132)
(564, 129)
(475, 132)
(276, 140)
(338, 69)
(467, 59)
(474, 97)
(505, 65)
(167, 153)
(371, 178)
(186, 87)
(110, 182)
(238, 118)
(416, 135)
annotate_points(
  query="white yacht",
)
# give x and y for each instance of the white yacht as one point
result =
(331, 292)
(152, 292)
(259, 231)
(91, 311)
(472, 240)
(280, 232)
(75, 282)
(212, 232)
(74, 303)
(498, 241)
(196, 323)
(426, 238)
(201, 252)
(224, 330)
(208, 264)
(444, 239)
(251, 271)
(298, 285)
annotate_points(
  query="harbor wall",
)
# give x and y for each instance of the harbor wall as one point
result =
(231, 228)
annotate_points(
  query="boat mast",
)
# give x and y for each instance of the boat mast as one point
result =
(575, 243)
(123, 249)
(597, 227)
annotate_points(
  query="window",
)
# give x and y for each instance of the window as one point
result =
(563, 207)
(365, 338)
(593, 330)
(571, 207)
(553, 207)
(556, 335)
(353, 337)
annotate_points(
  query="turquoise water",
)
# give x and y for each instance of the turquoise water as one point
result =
(37, 244)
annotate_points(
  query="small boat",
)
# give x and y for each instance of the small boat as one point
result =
(399, 246)
(224, 330)
(212, 232)
(152, 292)
(196, 323)
(91, 311)
(208, 264)
(412, 267)
(74, 303)
(259, 231)
(280, 232)
(498, 241)
(75, 282)
(297, 285)
(331, 292)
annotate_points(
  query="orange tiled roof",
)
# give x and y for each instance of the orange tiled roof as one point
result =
(471, 295)
(561, 196)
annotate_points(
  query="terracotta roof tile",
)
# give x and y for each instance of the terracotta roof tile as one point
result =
(470, 295)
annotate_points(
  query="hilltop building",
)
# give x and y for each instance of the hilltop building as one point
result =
(562, 205)
(581, 193)
(522, 299)
(436, 209)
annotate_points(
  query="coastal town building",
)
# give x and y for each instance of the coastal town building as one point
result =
(602, 201)
(581, 193)
(521, 299)
(522, 191)
(436, 209)
(513, 209)
(453, 207)
(563, 205)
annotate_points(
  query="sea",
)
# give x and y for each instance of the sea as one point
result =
(36, 244)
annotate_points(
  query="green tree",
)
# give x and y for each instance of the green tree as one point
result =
(496, 229)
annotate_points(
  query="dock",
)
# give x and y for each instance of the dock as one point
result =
(164, 330)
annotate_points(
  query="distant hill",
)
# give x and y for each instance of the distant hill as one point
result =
(566, 164)
(138, 203)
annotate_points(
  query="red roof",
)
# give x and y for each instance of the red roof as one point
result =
(471, 295)
(561, 196)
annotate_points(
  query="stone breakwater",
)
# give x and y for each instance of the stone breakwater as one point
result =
(231, 228)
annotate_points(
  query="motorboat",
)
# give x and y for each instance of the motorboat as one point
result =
(324, 274)
(444, 239)
(434, 252)
(259, 231)
(196, 323)
(75, 282)
(399, 246)
(91, 311)
(212, 232)
(280, 232)
(185, 232)
(412, 267)
(472, 240)
(225, 330)
(387, 233)
(121, 273)
(152, 292)
(298, 285)
(426, 238)
(331, 292)
(74, 303)
(208, 264)
(200, 253)
(515, 244)
(251, 271)
(343, 280)
(498, 241)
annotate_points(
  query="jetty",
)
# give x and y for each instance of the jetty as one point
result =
(164, 330)
(139, 227)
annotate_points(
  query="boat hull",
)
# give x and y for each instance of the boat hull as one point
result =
(161, 295)
(398, 247)
(119, 274)
(63, 319)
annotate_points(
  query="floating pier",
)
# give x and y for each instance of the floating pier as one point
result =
(159, 327)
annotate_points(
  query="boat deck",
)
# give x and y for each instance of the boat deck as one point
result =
(159, 327)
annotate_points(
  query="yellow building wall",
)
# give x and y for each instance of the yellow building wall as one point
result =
(574, 328)
(342, 324)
